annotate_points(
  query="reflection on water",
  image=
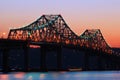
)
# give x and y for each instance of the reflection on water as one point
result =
(93, 75)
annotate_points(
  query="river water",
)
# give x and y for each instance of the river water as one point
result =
(85, 75)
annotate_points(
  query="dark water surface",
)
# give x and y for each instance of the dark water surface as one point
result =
(90, 75)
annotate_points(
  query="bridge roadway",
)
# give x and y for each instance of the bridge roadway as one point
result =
(6, 45)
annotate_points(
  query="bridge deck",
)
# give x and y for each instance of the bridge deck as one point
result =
(8, 43)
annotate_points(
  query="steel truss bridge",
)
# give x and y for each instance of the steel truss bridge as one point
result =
(54, 29)
(52, 33)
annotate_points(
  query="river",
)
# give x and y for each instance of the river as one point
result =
(85, 75)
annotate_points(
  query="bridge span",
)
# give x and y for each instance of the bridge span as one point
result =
(52, 34)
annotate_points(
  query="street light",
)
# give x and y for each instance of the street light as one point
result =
(3, 35)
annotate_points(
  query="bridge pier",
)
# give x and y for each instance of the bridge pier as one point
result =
(5, 60)
(99, 62)
(59, 57)
(43, 58)
(26, 62)
(86, 61)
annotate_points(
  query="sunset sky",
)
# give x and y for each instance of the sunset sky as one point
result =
(78, 14)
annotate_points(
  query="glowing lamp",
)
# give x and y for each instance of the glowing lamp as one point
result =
(4, 33)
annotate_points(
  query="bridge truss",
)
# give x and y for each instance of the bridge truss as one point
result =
(53, 28)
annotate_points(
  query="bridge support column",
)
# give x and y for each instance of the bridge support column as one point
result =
(5, 61)
(59, 58)
(86, 61)
(99, 62)
(43, 58)
(26, 62)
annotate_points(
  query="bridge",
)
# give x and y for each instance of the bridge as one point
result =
(51, 32)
